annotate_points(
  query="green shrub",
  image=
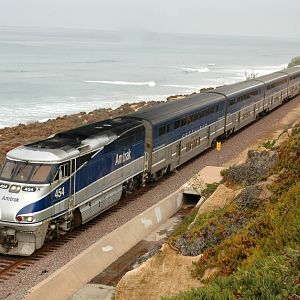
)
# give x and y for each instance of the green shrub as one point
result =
(294, 62)
(262, 259)
(210, 189)
(269, 144)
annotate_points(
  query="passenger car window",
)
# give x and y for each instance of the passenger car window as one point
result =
(162, 130)
(177, 124)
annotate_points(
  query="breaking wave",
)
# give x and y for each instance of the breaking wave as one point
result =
(148, 83)
(194, 70)
(181, 86)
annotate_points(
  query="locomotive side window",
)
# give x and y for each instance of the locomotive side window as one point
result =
(22, 172)
(63, 171)
(8, 169)
(83, 159)
(41, 173)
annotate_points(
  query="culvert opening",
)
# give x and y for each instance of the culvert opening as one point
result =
(190, 199)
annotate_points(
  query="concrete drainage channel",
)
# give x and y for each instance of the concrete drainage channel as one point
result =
(142, 251)
(103, 285)
(106, 261)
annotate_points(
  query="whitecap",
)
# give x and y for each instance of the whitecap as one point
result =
(194, 70)
(181, 86)
(134, 83)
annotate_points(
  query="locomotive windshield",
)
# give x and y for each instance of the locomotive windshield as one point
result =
(25, 172)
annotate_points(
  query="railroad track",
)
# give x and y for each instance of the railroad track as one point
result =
(12, 265)
(9, 266)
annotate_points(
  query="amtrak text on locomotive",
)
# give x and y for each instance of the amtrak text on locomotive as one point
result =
(10, 199)
(125, 156)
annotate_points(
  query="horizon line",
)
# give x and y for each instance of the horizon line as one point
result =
(132, 32)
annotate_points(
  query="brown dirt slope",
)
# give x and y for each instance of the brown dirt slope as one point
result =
(165, 274)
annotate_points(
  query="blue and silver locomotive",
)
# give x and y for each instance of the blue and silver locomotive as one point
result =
(51, 186)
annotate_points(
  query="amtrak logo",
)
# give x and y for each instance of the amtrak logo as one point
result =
(125, 156)
(5, 198)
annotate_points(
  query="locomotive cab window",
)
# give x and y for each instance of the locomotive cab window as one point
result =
(41, 173)
(26, 172)
(8, 169)
(23, 172)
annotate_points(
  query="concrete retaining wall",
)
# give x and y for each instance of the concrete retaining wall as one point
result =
(84, 267)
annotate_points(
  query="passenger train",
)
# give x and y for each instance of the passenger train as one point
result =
(53, 185)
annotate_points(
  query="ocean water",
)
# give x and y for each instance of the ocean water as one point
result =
(48, 73)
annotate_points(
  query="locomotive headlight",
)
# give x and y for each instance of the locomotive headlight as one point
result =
(29, 219)
(14, 188)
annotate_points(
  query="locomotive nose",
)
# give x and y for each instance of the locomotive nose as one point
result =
(9, 205)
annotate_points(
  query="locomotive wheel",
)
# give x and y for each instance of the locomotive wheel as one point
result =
(213, 143)
(77, 218)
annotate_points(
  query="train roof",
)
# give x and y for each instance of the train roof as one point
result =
(167, 111)
(71, 143)
(272, 77)
(239, 87)
(291, 71)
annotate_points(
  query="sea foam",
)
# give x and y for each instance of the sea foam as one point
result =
(194, 70)
(182, 86)
(134, 83)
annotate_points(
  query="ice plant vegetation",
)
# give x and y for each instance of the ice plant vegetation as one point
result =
(252, 246)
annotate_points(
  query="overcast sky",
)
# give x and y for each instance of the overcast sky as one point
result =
(234, 17)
